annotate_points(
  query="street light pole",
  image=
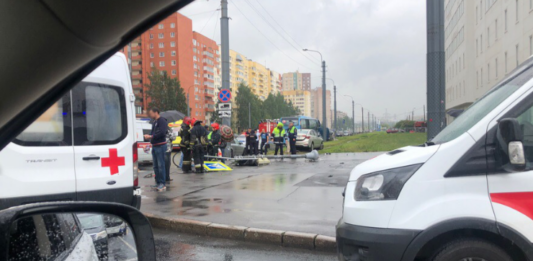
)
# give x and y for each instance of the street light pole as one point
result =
(224, 51)
(324, 134)
(353, 114)
(334, 104)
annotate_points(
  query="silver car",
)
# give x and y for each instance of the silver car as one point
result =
(309, 139)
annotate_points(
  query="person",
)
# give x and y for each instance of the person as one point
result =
(198, 141)
(158, 141)
(279, 138)
(185, 143)
(257, 141)
(293, 133)
(250, 142)
(264, 142)
(214, 140)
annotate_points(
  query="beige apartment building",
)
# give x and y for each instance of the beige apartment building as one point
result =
(316, 106)
(485, 40)
(300, 99)
(296, 81)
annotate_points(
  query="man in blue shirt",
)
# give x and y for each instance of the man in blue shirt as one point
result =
(159, 146)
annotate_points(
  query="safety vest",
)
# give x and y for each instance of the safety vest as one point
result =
(291, 131)
(209, 136)
(277, 133)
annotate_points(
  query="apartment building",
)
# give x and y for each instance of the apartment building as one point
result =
(206, 60)
(300, 99)
(484, 41)
(316, 105)
(296, 81)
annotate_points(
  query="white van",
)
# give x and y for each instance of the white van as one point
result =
(143, 127)
(466, 195)
(82, 148)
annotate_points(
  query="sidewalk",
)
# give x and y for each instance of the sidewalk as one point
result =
(288, 195)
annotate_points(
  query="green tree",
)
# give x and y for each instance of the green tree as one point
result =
(404, 124)
(246, 98)
(165, 92)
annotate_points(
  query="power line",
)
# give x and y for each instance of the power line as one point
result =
(264, 19)
(208, 20)
(202, 13)
(267, 37)
(281, 26)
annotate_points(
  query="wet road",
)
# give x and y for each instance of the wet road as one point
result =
(183, 247)
(122, 247)
(294, 195)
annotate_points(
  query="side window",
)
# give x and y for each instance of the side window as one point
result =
(526, 123)
(312, 124)
(69, 228)
(304, 124)
(52, 128)
(99, 113)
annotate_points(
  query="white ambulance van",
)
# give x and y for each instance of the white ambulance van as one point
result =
(466, 195)
(82, 148)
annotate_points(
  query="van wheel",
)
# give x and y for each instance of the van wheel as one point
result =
(471, 250)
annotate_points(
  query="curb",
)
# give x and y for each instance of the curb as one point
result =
(255, 235)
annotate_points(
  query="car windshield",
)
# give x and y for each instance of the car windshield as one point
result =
(89, 221)
(483, 106)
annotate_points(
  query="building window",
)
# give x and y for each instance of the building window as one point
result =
(161, 54)
(173, 72)
(481, 78)
(161, 35)
(464, 61)
(194, 42)
(194, 58)
(173, 53)
(151, 64)
(496, 29)
(173, 62)
(151, 55)
(161, 45)
(172, 25)
(480, 9)
(488, 73)
(531, 44)
(151, 46)
(195, 66)
(517, 57)
(477, 47)
(161, 64)
(530, 4)
(161, 26)
(505, 61)
(477, 80)
(172, 34)
(488, 37)
(496, 68)
(481, 43)
(505, 21)
(172, 44)
(151, 36)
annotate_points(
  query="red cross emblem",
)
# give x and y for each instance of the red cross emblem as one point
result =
(113, 161)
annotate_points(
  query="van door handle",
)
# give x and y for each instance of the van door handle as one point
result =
(91, 158)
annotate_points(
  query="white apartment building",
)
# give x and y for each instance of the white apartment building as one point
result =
(485, 40)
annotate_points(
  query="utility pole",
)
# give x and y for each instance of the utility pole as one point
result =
(324, 134)
(353, 117)
(368, 121)
(224, 46)
(335, 107)
(362, 120)
(424, 106)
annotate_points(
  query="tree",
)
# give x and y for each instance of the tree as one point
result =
(165, 92)
(404, 124)
(245, 98)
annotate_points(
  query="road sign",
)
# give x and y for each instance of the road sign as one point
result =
(224, 95)
(224, 114)
(215, 166)
(224, 106)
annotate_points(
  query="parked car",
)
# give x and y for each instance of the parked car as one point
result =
(238, 145)
(309, 139)
(115, 226)
(389, 131)
(144, 150)
(82, 148)
(346, 133)
(94, 225)
(340, 133)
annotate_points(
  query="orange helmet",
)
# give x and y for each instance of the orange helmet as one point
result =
(187, 120)
(215, 126)
(193, 121)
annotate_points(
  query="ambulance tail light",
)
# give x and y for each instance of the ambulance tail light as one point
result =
(135, 165)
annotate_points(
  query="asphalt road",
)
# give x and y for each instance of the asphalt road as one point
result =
(184, 247)
(122, 247)
(289, 195)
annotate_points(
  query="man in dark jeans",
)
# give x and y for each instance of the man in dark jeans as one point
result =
(251, 139)
(159, 146)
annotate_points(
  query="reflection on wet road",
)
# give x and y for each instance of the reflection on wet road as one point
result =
(294, 195)
(184, 247)
(122, 247)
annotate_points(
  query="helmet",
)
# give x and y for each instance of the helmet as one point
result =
(193, 121)
(187, 120)
(215, 126)
(280, 124)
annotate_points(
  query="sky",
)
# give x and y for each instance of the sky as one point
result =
(375, 50)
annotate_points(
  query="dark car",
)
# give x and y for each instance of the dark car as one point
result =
(94, 225)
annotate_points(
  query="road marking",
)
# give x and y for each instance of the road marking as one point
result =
(127, 244)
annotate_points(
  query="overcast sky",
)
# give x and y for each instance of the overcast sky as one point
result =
(375, 50)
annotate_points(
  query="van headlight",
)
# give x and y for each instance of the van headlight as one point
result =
(383, 185)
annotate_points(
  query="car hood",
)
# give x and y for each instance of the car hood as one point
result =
(394, 159)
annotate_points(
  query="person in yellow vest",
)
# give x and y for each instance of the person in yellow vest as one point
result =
(279, 138)
(293, 133)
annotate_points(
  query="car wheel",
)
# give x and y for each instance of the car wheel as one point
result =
(312, 147)
(473, 250)
(321, 146)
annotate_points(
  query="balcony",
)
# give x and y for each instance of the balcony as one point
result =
(136, 76)
(210, 102)
(137, 86)
(136, 48)
(136, 58)
(136, 67)
(209, 95)
(210, 109)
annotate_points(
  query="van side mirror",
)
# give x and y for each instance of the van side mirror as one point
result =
(510, 137)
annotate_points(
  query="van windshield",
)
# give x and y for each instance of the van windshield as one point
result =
(482, 107)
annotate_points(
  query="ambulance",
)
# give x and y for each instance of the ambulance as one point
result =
(82, 148)
(465, 195)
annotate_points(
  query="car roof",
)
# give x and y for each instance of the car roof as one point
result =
(60, 45)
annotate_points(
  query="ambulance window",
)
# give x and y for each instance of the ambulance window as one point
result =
(99, 114)
(52, 128)
(526, 123)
